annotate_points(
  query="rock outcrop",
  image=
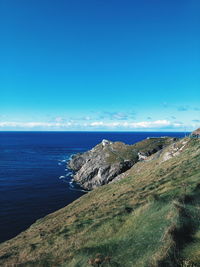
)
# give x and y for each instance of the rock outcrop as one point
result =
(102, 163)
(108, 159)
(174, 150)
(196, 133)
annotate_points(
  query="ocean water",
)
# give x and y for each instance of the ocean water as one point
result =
(34, 179)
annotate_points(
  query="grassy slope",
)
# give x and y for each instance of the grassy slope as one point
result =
(149, 218)
(121, 152)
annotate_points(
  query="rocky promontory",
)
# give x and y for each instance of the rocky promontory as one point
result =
(196, 133)
(107, 160)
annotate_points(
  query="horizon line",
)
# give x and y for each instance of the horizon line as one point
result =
(111, 131)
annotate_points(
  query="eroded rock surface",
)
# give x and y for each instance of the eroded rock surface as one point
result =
(196, 133)
(108, 159)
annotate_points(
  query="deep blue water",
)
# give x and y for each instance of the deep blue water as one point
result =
(34, 180)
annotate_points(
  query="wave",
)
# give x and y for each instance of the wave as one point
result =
(79, 190)
(68, 174)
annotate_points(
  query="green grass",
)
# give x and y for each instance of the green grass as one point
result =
(150, 218)
(121, 152)
(130, 239)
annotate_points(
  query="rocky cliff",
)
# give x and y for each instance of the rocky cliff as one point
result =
(196, 133)
(108, 159)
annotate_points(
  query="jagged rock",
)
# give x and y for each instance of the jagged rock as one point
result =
(77, 162)
(106, 142)
(174, 150)
(142, 156)
(196, 133)
(108, 159)
(102, 163)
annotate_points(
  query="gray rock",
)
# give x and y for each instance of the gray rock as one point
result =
(107, 160)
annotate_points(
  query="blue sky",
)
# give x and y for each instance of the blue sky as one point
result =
(100, 65)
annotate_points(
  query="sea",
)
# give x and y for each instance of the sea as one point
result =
(34, 178)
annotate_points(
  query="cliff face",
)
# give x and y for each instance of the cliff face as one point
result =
(107, 160)
(102, 163)
(196, 132)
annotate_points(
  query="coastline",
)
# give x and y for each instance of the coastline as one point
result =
(137, 210)
(32, 188)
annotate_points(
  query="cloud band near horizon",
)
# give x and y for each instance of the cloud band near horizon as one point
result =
(118, 125)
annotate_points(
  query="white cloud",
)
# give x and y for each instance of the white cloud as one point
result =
(96, 123)
(33, 124)
(59, 124)
(138, 125)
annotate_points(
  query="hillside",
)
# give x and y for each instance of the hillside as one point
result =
(148, 216)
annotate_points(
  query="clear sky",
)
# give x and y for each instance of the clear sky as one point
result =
(100, 65)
